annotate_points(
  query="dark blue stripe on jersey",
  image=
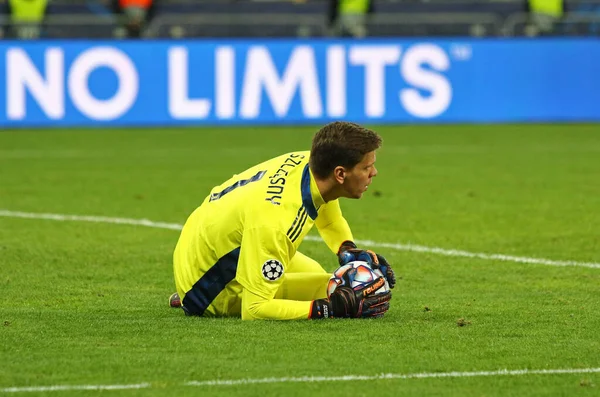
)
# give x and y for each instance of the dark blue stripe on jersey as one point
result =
(306, 195)
(257, 177)
(211, 284)
(289, 232)
(299, 227)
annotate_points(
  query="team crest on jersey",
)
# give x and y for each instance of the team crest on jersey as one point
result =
(272, 270)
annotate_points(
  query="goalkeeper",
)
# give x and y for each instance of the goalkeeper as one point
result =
(237, 253)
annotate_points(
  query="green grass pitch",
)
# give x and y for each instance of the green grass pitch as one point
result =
(85, 303)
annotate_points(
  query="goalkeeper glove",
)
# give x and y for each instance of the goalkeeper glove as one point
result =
(345, 302)
(349, 252)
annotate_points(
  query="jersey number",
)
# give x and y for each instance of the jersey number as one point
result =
(242, 182)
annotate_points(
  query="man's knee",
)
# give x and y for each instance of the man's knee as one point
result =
(301, 263)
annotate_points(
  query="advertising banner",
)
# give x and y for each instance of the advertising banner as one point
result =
(79, 83)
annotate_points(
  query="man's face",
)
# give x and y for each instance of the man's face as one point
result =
(359, 178)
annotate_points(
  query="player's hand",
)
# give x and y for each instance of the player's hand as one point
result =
(386, 269)
(345, 302)
(349, 252)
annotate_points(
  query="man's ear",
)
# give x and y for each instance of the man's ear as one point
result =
(339, 174)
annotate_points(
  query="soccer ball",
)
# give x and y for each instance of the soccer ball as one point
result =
(355, 275)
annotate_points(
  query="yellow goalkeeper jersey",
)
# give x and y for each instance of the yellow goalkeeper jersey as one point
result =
(245, 234)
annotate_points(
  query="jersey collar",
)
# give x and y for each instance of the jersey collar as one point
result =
(311, 197)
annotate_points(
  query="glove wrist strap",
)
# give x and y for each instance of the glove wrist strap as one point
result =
(321, 308)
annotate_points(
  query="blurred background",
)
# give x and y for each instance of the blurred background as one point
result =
(26, 19)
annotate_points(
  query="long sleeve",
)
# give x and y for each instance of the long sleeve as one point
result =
(332, 226)
(255, 307)
(264, 258)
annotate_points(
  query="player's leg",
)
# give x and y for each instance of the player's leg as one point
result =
(304, 279)
(303, 286)
(301, 263)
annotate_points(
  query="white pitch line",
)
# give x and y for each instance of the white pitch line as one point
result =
(73, 387)
(346, 378)
(479, 255)
(365, 243)
(86, 218)
(311, 379)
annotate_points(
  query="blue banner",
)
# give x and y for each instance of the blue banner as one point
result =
(53, 83)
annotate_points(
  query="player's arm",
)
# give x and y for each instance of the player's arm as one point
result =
(263, 247)
(334, 229)
(344, 302)
(332, 226)
(263, 258)
(257, 307)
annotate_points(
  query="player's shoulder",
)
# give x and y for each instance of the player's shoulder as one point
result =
(273, 213)
(273, 165)
(285, 227)
(290, 158)
(277, 199)
(277, 216)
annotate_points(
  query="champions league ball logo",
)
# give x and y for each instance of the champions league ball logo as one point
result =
(272, 270)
